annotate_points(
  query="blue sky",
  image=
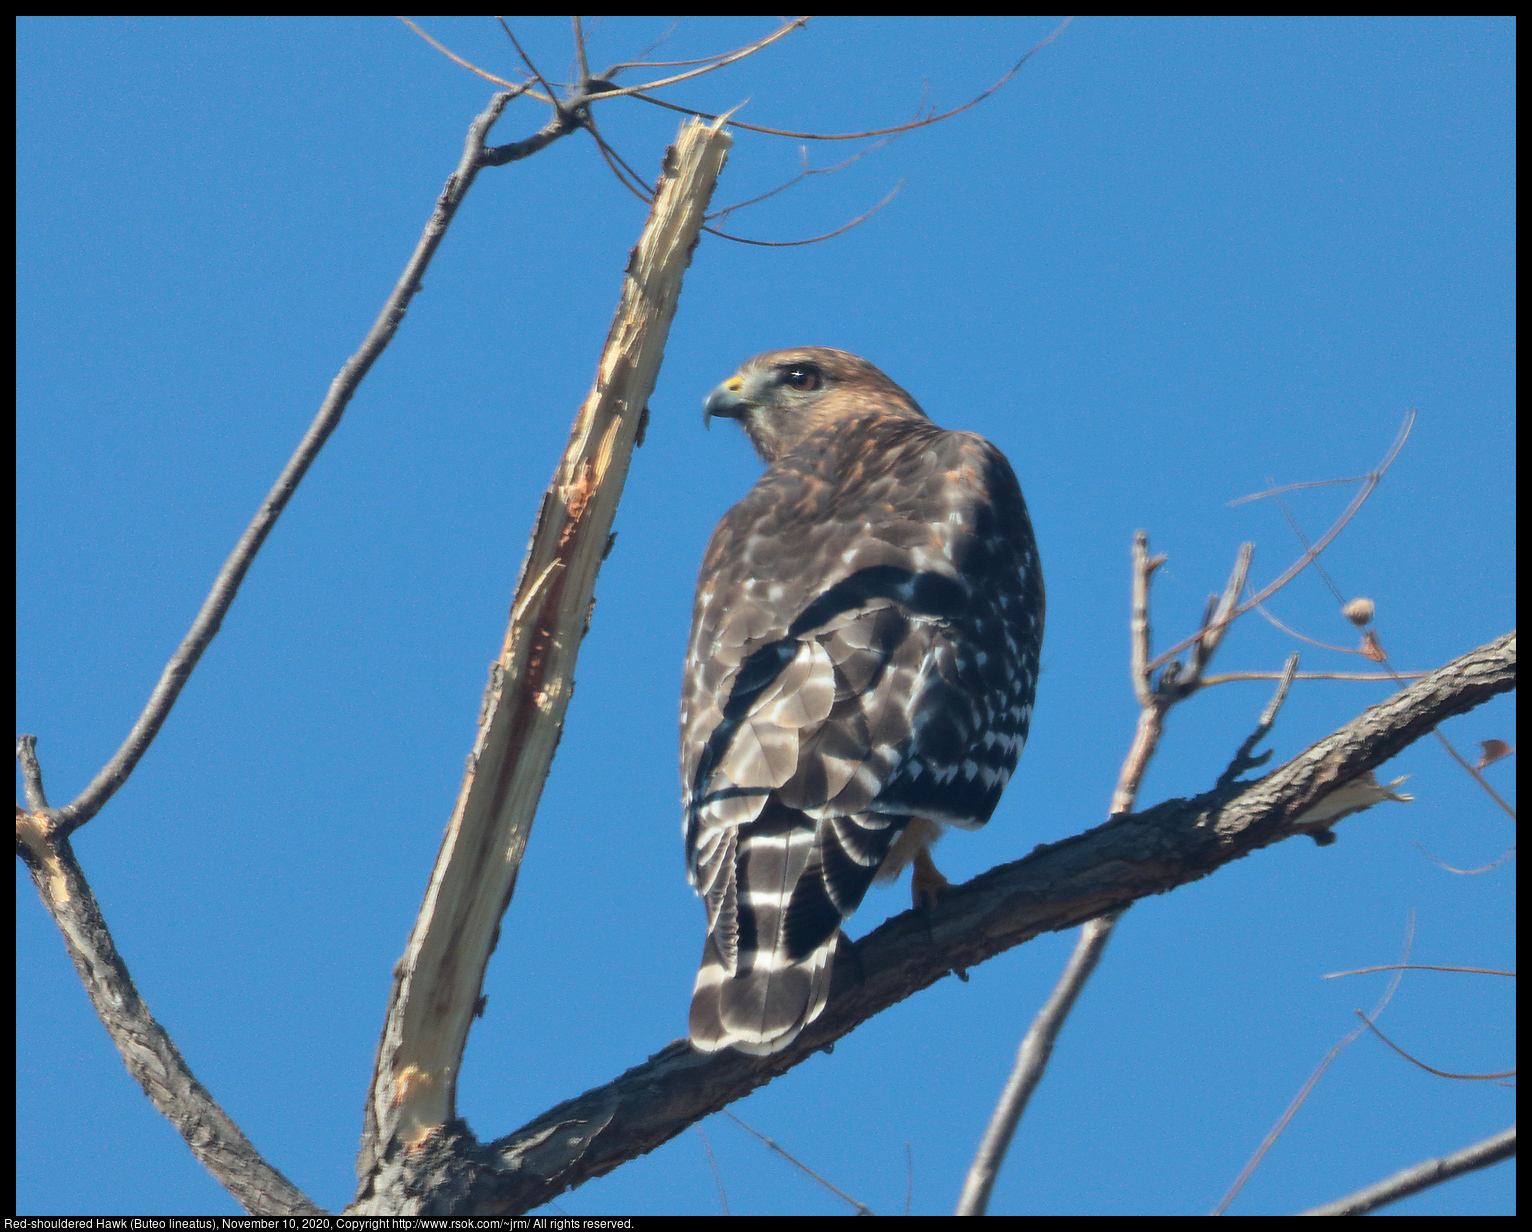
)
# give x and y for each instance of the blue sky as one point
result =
(1171, 260)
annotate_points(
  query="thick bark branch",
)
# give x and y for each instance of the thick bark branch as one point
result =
(438, 981)
(1056, 887)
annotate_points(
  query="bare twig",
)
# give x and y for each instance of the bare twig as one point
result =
(1319, 568)
(579, 41)
(872, 132)
(1370, 648)
(1231, 677)
(707, 1146)
(147, 1050)
(660, 42)
(1031, 1061)
(626, 176)
(1368, 484)
(473, 68)
(1293, 487)
(1467, 872)
(1475, 775)
(573, 112)
(639, 91)
(859, 1207)
(712, 63)
(31, 773)
(802, 175)
(1335, 975)
(551, 97)
(226, 586)
(828, 235)
(1243, 759)
(1215, 622)
(1313, 1080)
(1304, 637)
(1440, 1073)
(1492, 1150)
(563, 123)
(1144, 566)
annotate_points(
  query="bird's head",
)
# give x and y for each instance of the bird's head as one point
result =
(781, 396)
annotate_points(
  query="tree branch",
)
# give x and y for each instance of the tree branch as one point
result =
(1031, 1061)
(1369, 482)
(1058, 886)
(148, 1052)
(437, 983)
(1422, 1176)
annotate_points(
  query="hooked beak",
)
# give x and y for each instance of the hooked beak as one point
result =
(726, 402)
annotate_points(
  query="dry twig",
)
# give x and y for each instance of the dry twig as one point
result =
(1304, 1091)
(1369, 482)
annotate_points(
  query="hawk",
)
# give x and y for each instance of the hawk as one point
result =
(863, 658)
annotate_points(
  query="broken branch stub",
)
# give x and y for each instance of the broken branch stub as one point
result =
(437, 982)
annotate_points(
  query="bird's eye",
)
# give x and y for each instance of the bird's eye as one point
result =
(804, 377)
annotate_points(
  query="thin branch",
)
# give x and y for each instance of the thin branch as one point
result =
(1292, 522)
(1293, 487)
(1155, 702)
(872, 132)
(1477, 777)
(1140, 642)
(1371, 650)
(1324, 541)
(146, 1049)
(1313, 1080)
(828, 235)
(1243, 759)
(579, 39)
(1335, 975)
(1467, 872)
(474, 68)
(1352, 650)
(707, 1146)
(1216, 622)
(1440, 1073)
(1031, 1061)
(561, 125)
(802, 175)
(859, 1207)
(1231, 677)
(659, 42)
(552, 98)
(641, 62)
(732, 57)
(1492, 1150)
(226, 586)
(714, 62)
(619, 165)
(31, 773)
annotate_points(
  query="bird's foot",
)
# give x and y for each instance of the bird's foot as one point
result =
(926, 882)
